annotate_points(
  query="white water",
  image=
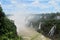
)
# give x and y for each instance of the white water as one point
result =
(19, 21)
(51, 32)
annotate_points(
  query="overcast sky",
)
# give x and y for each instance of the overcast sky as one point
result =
(30, 6)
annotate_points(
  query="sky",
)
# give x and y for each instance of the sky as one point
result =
(30, 6)
(18, 7)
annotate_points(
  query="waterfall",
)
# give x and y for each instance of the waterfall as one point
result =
(51, 32)
(39, 25)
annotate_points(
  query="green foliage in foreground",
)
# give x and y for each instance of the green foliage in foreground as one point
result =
(6, 38)
(7, 28)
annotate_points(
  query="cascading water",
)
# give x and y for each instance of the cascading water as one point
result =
(52, 31)
(39, 25)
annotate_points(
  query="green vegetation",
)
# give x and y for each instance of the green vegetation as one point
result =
(48, 21)
(7, 28)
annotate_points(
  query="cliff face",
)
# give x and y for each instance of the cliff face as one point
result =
(48, 21)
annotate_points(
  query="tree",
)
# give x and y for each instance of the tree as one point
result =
(1, 12)
(7, 28)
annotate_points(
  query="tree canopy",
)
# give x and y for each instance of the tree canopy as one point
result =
(7, 28)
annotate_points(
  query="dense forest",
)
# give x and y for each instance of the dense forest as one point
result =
(7, 28)
(46, 22)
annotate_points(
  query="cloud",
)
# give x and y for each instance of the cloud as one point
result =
(32, 6)
(47, 5)
(0, 2)
(36, 2)
(54, 3)
(13, 1)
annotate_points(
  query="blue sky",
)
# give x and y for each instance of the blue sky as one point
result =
(30, 6)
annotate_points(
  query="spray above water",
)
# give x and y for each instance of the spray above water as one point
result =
(20, 22)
